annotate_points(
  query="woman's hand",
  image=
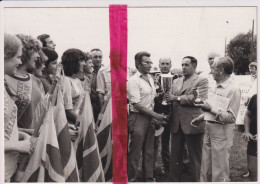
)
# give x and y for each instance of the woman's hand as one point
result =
(24, 136)
(25, 146)
(73, 132)
(247, 136)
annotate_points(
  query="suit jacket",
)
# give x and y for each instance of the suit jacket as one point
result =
(184, 111)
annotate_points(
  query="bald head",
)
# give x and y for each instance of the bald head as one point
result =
(212, 56)
(165, 64)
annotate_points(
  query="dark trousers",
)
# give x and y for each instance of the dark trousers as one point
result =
(157, 140)
(165, 152)
(194, 144)
(141, 134)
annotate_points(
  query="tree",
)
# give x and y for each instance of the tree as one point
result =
(242, 51)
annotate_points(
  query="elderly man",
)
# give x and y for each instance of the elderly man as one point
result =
(97, 57)
(47, 42)
(141, 93)
(183, 112)
(221, 110)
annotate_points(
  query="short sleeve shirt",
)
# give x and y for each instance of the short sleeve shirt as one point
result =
(104, 80)
(29, 96)
(140, 91)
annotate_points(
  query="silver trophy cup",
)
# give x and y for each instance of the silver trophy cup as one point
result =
(166, 83)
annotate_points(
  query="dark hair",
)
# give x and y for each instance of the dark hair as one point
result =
(192, 59)
(139, 56)
(226, 63)
(30, 45)
(43, 38)
(70, 61)
(253, 64)
(95, 49)
(51, 54)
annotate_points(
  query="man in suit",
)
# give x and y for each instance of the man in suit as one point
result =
(183, 112)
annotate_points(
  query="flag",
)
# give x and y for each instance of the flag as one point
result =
(87, 152)
(45, 164)
(104, 138)
(68, 157)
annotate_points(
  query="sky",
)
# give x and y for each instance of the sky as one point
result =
(172, 32)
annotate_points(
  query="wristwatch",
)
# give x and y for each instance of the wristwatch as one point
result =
(179, 99)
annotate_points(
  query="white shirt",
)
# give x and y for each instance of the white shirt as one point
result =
(140, 91)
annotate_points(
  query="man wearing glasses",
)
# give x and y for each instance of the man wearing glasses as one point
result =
(141, 93)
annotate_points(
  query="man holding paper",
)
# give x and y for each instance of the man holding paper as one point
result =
(221, 110)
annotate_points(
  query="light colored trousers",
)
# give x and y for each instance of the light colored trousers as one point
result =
(217, 143)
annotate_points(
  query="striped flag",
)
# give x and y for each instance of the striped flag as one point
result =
(45, 164)
(68, 156)
(87, 152)
(104, 137)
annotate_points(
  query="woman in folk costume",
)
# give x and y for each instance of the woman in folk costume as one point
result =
(24, 84)
(15, 141)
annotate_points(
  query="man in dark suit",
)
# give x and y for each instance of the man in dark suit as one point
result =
(183, 111)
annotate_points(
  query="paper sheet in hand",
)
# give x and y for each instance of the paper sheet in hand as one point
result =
(217, 101)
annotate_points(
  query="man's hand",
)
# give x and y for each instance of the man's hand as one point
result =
(197, 121)
(205, 106)
(169, 97)
(247, 136)
(157, 122)
(159, 117)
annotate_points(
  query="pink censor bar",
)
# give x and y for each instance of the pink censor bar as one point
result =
(118, 60)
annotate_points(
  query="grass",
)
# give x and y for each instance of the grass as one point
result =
(238, 162)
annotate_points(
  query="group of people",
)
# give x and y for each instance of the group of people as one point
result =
(196, 123)
(30, 70)
(199, 117)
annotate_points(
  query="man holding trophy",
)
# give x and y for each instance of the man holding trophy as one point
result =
(182, 98)
(161, 106)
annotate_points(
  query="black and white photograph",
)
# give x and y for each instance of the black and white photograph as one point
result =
(189, 75)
